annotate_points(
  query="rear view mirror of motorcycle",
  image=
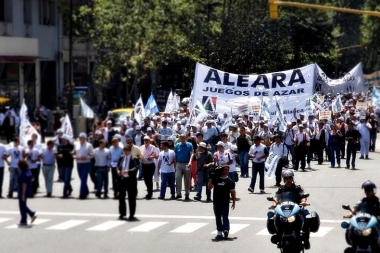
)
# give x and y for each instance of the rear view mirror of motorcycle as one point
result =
(346, 207)
(270, 198)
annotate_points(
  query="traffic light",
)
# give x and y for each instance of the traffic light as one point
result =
(273, 10)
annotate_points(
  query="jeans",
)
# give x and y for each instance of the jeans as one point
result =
(167, 178)
(93, 177)
(24, 210)
(202, 177)
(257, 168)
(292, 153)
(364, 146)
(1, 180)
(13, 179)
(83, 170)
(66, 177)
(102, 178)
(221, 216)
(231, 175)
(48, 172)
(351, 151)
(373, 138)
(60, 173)
(182, 171)
(334, 152)
(243, 156)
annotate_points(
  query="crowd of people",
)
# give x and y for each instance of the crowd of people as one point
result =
(166, 150)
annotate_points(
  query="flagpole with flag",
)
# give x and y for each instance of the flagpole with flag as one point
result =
(66, 127)
(169, 103)
(151, 107)
(86, 110)
(26, 128)
(139, 111)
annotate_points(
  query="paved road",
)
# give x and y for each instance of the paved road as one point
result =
(91, 225)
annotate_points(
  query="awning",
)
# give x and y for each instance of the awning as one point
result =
(15, 59)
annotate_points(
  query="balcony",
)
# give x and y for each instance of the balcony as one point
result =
(6, 29)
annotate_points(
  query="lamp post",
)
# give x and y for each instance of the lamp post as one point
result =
(71, 84)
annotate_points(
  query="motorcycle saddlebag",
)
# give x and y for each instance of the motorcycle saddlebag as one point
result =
(313, 222)
(270, 226)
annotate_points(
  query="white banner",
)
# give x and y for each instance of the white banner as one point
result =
(352, 81)
(86, 110)
(271, 165)
(372, 80)
(224, 90)
(26, 128)
(66, 127)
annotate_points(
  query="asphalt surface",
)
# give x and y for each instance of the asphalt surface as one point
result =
(73, 225)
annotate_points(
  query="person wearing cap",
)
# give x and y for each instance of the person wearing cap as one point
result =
(364, 129)
(47, 155)
(204, 160)
(301, 140)
(102, 161)
(183, 152)
(148, 154)
(243, 144)
(109, 132)
(111, 118)
(166, 165)
(65, 162)
(373, 133)
(266, 136)
(258, 152)
(222, 156)
(352, 137)
(127, 168)
(323, 138)
(82, 154)
(116, 151)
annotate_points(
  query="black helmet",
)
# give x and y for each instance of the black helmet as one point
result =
(369, 185)
(287, 173)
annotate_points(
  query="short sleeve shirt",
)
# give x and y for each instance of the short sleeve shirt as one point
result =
(222, 189)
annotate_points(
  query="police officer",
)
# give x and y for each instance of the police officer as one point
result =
(224, 187)
(290, 186)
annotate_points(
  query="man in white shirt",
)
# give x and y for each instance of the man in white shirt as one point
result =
(3, 154)
(279, 149)
(48, 166)
(16, 153)
(301, 140)
(323, 138)
(102, 162)
(289, 136)
(258, 153)
(83, 153)
(165, 132)
(166, 164)
(115, 153)
(32, 155)
(364, 129)
(148, 154)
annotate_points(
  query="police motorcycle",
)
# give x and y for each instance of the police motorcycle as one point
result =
(288, 220)
(361, 230)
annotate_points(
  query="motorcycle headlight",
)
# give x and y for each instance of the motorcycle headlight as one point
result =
(367, 232)
(291, 219)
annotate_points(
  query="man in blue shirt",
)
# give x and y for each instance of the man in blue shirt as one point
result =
(183, 152)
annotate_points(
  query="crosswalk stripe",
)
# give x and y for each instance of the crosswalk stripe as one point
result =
(148, 226)
(36, 222)
(5, 219)
(188, 228)
(107, 225)
(263, 232)
(234, 228)
(321, 232)
(67, 224)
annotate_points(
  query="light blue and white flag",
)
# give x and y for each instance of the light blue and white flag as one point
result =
(265, 110)
(86, 110)
(375, 97)
(280, 118)
(309, 107)
(151, 107)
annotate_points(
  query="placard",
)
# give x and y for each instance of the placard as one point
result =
(361, 105)
(255, 108)
(325, 115)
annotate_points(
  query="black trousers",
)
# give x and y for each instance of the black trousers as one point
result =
(280, 164)
(148, 172)
(127, 184)
(36, 182)
(342, 145)
(300, 157)
(320, 151)
(92, 173)
(115, 177)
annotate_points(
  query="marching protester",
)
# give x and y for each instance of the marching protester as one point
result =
(323, 138)
(334, 146)
(16, 153)
(166, 168)
(243, 144)
(47, 156)
(183, 152)
(32, 155)
(148, 155)
(352, 136)
(102, 161)
(65, 161)
(301, 140)
(364, 129)
(280, 149)
(258, 152)
(115, 153)
(3, 155)
(373, 135)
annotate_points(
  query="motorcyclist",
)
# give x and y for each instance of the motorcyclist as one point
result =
(290, 186)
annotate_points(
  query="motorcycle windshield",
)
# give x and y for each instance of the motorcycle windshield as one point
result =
(287, 197)
(365, 207)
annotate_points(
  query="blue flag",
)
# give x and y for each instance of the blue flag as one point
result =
(151, 107)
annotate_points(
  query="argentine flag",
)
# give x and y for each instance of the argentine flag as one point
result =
(151, 107)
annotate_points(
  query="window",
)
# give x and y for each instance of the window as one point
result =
(47, 12)
(27, 12)
(5, 10)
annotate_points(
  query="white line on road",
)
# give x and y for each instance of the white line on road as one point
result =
(148, 226)
(158, 216)
(234, 228)
(321, 232)
(5, 219)
(36, 222)
(107, 225)
(67, 224)
(263, 232)
(188, 228)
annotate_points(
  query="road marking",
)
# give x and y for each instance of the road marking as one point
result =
(107, 225)
(148, 226)
(153, 216)
(5, 219)
(67, 224)
(263, 232)
(321, 232)
(234, 228)
(188, 228)
(36, 222)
